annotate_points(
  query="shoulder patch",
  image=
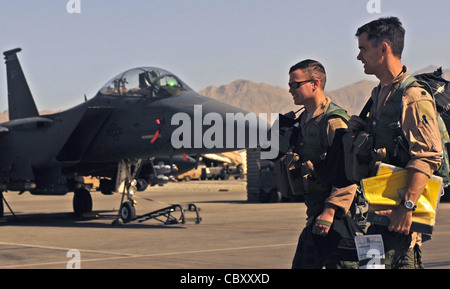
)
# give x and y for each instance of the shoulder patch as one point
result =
(426, 108)
(417, 93)
(336, 123)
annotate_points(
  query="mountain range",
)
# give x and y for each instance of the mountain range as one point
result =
(264, 98)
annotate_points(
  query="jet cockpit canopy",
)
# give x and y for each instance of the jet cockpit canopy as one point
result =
(145, 82)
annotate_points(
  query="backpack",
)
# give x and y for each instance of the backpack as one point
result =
(441, 92)
(438, 88)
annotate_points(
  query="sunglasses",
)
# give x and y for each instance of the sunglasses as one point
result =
(296, 84)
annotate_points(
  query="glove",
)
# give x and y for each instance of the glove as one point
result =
(356, 123)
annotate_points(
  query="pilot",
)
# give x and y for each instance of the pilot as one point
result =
(325, 203)
(381, 44)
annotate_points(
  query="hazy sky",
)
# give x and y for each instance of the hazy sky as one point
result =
(204, 42)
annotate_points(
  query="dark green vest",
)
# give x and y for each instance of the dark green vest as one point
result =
(387, 132)
(313, 146)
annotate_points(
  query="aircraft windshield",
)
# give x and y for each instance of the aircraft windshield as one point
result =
(145, 82)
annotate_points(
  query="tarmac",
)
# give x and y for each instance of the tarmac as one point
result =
(233, 233)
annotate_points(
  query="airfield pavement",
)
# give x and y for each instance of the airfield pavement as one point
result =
(233, 234)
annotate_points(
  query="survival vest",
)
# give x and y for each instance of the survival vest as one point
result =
(314, 146)
(303, 176)
(313, 149)
(389, 134)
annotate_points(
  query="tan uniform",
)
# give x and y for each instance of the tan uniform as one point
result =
(420, 128)
(424, 140)
(310, 254)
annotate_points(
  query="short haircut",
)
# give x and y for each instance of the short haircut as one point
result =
(387, 29)
(313, 68)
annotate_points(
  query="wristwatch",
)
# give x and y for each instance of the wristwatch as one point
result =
(408, 205)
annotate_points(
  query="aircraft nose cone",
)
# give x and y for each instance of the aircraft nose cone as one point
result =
(216, 106)
(240, 127)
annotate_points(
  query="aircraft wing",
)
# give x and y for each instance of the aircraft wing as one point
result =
(84, 133)
(37, 140)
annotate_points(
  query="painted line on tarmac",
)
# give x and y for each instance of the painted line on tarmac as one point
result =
(249, 227)
(64, 249)
(125, 255)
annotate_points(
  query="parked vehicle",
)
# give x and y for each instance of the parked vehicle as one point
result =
(223, 172)
(194, 174)
(232, 171)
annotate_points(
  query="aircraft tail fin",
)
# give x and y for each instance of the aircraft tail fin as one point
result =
(20, 99)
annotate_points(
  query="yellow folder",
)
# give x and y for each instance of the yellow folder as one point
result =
(386, 190)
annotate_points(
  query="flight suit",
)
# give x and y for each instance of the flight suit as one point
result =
(318, 193)
(420, 128)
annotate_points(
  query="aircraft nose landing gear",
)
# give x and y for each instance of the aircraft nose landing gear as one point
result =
(167, 212)
(127, 211)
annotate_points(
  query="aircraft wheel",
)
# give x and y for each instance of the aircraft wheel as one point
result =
(82, 201)
(127, 211)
